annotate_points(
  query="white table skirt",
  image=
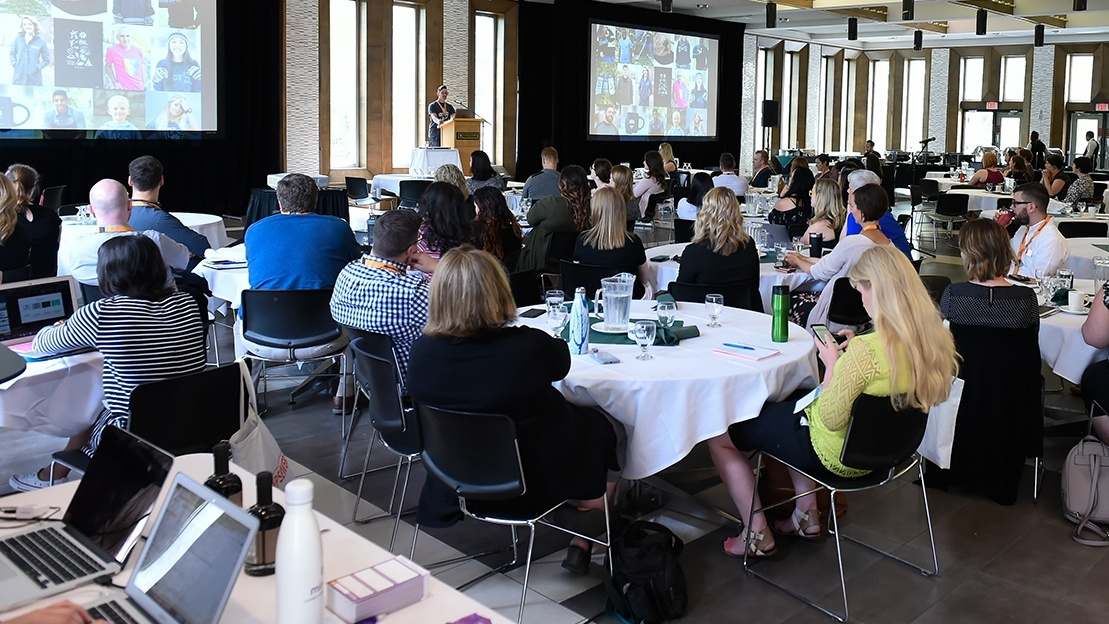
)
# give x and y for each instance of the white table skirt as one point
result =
(426, 160)
(59, 397)
(1061, 343)
(662, 273)
(980, 199)
(687, 393)
(1082, 254)
(390, 182)
(210, 226)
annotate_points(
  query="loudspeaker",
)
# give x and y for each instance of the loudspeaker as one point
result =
(918, 40)
(907, 10)
(852, 29)
(771, 15)
(980, 22)
(1038, 40)
(769, 113)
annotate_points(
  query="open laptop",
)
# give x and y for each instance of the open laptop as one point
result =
(26, 307)
(189, 564)
(776, 234)
(100, 527)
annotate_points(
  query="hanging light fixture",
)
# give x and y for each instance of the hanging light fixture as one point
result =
(852, 29)
(980, 23)
(771, 15)
(907, 11)
(918, 40)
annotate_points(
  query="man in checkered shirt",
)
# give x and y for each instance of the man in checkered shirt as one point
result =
(377, 294)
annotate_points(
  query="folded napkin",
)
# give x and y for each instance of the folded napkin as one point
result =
(769, 258)
(663, 337)
(1104, 248)
(1061, 299)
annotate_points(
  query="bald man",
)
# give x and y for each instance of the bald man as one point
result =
(108, 202)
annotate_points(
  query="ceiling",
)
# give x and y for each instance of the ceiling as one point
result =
(945, 23)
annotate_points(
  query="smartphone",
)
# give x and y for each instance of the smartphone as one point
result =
(532, 313)
(604, 357)
(824, 333)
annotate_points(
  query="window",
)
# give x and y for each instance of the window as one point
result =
(761, 71)
(847, 106)
(1012, 78)
(971, 88)
(1080, 77)
(977, 130)
(824, 104)
(346, 88)
(489, 80)
(409, 116)
(915, 95)
(787, 107)
(878, 106)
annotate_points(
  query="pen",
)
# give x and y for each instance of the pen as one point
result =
(738, 346)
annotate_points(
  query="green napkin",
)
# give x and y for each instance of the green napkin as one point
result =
(663, 337)
(769, 258)
(1104, 248)
(671, 337)
(1060, 297)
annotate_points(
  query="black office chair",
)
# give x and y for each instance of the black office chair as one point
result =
(929, 189)
(52, 197)
(488, 481)
(357, 188)
(935, 284)
(846, 307)
(589, 276)
(526, 289)
(880, 439)
(411, 191)
(90, 292)
(737, 295)
(1069, 229)
(560, 248)
(951, 208)
(683, 230)
(16, 275)
(293, 320)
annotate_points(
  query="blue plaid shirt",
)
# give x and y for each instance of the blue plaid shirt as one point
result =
(385, 301)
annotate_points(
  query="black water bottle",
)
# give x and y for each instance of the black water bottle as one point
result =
(816, 245)
(227, 483)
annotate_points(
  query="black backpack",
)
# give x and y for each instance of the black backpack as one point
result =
(647, 583)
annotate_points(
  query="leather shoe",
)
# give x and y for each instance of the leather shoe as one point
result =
(352, 404)
(577, 560)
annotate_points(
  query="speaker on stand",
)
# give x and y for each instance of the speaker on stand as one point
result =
(769, 119)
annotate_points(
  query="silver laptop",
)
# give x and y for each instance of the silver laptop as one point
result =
(776, 234)
(189, 564)
(26, 307)
(100, 527)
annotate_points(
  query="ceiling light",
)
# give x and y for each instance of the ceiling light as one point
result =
(852, 29)
(771, 15)
(980, 23)
(702, 6)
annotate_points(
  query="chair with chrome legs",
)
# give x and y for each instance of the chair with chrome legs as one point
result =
(880, 439)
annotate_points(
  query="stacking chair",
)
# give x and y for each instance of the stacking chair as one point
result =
(935, 284)
(488, 481)
(951, 208)
(736, 295)
(16, 275)
(589, 276)
(292, 320)
(846, 308)
(69, 210)
(929, 189)
(560, 248)
(1069, 229)
(882, 440)
(52, 197)
(90, 292)
(526, 288)
(411, 191)
(683, 230)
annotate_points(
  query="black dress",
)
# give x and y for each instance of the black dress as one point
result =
(510, 244)
(1000, 422)
(16, 251)
(701, 265)
(566, 451)
(626, 259)
(44, 232)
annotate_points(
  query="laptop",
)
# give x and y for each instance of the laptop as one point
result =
(100, 527)
(28, 306)
(776, 234)
(189, 564)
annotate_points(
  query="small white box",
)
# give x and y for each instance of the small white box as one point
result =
(386, 587)
(273, 178)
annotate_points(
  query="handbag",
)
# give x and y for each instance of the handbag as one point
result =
(1086, 490)
(253, 446)
(939, 436)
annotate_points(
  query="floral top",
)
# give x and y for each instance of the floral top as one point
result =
(1081, 188)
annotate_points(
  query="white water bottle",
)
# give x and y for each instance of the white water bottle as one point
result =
(299, 559)
(579, 324)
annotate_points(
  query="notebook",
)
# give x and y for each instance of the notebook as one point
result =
(189, 564)
(100, 527)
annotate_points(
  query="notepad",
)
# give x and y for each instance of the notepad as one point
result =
(745, 351)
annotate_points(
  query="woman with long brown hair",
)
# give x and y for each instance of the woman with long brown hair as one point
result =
(42, 224)
(15, 244)
(566, 212)
(495, 229)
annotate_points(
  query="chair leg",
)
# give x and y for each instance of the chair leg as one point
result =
(527, 571)
(839, 561)
(1037, 475)
(400, 503)
(362, 481)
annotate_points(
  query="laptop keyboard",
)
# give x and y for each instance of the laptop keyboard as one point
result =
(112, 612)
(47, 558)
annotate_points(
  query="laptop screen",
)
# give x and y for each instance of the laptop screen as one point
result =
(27, 307)
(189, 564)
(117, 493)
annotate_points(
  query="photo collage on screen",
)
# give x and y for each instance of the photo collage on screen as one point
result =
(111, 69)
(648, 83)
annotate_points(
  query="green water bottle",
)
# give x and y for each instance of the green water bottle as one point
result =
(779, 302)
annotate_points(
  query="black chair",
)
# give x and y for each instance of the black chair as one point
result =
(1004, 202)
(69, 210)
(357, 188)
(560, 248)
(652, 206)
(411, 191)
(880, 439)
(589, 276)
(951, 208)
(935, 284)
(205, 408)
(526, 289)
(90, 292)
(293, 320)
(52, 197)
(488, 481)
(965, 187)
(1069, 229)
(846, 307)
(683, 230)
(929, 189)
(16, 275)
(737, 295)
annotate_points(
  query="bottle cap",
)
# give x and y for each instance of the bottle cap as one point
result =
(298, 492)
(781, 289)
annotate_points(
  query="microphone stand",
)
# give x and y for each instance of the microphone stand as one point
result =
(912, 175)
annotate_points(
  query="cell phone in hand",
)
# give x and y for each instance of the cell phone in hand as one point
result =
(824, 333)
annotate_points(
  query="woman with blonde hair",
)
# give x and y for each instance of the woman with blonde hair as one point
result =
(623, 180)
(720, 252)
(15, 243)
(828, 214)
(453, 175)
(470, 338)
(910, 357)
(667, 152)
(608, 243)
(42, 224)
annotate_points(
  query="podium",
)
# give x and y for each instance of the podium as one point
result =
(463, 134)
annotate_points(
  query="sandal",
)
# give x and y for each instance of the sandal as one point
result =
(805, 525)
(756, 547)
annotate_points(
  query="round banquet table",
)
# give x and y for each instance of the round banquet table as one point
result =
(1082, 254)
(210, 226)
(1061, 343)
(662, 273)
(687, 393)
(59, 397)
(980, 199)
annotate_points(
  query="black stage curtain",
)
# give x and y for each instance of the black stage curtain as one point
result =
(555, 45)
(208, 175)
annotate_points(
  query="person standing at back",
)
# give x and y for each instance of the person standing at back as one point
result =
(1091, 147)
(545, 182)
(1038, 149)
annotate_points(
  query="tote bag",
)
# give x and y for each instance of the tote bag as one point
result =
(940, 433)
(253, 446)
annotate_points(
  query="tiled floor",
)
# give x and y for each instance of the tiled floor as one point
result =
(997, 564)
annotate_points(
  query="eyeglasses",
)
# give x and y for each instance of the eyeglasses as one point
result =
(1020, 203)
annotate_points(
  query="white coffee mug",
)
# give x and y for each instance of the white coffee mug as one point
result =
(1076, 300)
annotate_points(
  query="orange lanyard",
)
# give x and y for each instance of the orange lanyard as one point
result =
(115, 228)
(1025, 242)
(870, 226)
(377, 264)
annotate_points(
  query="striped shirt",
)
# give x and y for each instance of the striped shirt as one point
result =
(141, 341)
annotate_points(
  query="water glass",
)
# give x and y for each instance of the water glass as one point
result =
(764, 237)
(780, 252)
(557, 317)
(666, 311)
(796, 240)
(644, 334)
(714, 305)
(555, 298)
(1101, 271)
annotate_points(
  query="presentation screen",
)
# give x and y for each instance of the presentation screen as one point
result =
(652, 84)
(107, 69)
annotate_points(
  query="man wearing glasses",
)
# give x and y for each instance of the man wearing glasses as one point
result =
(1037, 246)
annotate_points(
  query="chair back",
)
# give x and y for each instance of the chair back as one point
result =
(929, 188)
(476, 455)
(52, 197)
(916, 195)
(16, 275)
(589, 276)
(935, 284)
(736, 295)
(288, 319)
(683, 230)
(965, 187)
(652, 206)
(376, 370)
(90, 292)
(69, 210)
(525, 287)
(904, 220)
(561, 247)
(357, 188)
(1069, 229)
(846, 307)
(880, 437)
(1099, 190)
(1004, 202)
(189, 413)
(411, 191)
(952, 204)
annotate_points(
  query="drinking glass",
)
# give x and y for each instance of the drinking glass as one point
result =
(796, 240)
(764, 237)
(555, 298)
(666, 311)
(1041, 287)
(644, 334)
(714, 305)
(780, 252)
(557, 317)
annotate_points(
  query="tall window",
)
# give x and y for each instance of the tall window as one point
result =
(787, 108)
(1012, 78)
(914, 96)
(1080, 77)
(489, 80)
(826, 74)
(346, 101)
(847, 107)
(971, 86)
(878, 106)
(409, 115)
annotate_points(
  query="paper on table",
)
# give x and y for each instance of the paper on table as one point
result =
(236, 253)
(745, 351)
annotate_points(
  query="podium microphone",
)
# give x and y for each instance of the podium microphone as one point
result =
(928, 140)
(460, 103)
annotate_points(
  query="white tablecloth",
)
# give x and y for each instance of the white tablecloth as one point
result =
(1082, 253)
(937, 175)
(662, 273)
(390, 182)
(687, 393)
(426, 160)
(1061, 343)
(59, 397)
(210, 226)
(980, 199)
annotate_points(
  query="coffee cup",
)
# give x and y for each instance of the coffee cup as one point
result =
(1076, 300)
(632, 123)
(7, 113)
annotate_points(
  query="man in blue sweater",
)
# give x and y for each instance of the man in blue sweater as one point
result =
(145, 177)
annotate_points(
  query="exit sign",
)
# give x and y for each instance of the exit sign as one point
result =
(1102, 107)
(991, 105)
